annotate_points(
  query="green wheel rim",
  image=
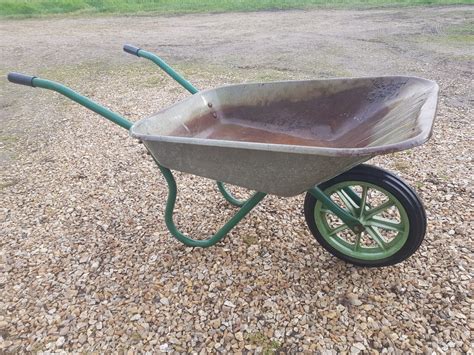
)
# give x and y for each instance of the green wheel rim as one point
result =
(382, 237)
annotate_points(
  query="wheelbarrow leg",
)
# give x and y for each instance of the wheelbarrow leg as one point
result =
(229, 197)
(221, 233)
(192, 89)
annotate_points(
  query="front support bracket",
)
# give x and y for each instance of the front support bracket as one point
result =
(352, 222)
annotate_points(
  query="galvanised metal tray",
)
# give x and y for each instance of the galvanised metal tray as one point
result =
(283, 138)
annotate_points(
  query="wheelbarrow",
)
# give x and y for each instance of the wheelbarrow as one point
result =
(290, 137)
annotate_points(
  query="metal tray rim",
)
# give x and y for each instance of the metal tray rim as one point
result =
(428, 115)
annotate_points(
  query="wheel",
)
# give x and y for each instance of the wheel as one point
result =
(390, 211)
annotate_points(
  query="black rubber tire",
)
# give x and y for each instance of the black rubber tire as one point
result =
(399, 189)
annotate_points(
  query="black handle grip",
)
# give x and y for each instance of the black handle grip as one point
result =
(21, 79)
(131, 49)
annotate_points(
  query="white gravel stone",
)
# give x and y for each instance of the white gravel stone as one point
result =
(60, 342)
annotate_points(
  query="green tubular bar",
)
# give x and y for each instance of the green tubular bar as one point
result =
(172, 190)
(167, 69)
(192, 89)
(228, 196)
(352, 195)
(22, 79)
(352, 222)
(170, 203)
(84, 101)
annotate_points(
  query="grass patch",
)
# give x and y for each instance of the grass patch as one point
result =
(463, 33)
(5, 184)
(250, 240)
(30, 8)
(8, 139)
(458, 35)
(259, 339)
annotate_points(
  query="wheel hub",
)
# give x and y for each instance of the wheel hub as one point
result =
(358, 228)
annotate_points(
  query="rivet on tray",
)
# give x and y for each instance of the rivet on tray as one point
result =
(209, 104)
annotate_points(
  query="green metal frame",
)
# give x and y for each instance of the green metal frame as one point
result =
(192, 89)
(246, 206)
(172, 189)
(351, 221)
(82, 100)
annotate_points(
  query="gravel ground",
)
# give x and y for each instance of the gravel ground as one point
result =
(86, 261)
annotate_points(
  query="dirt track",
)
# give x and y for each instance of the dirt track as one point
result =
(294, 44)
(87, 263)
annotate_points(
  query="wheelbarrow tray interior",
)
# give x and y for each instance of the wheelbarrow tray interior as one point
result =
(285, 137)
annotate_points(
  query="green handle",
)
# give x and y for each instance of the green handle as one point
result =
(162, 64)
(23, 79)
